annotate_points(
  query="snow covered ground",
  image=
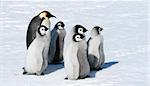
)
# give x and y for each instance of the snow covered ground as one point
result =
(125, 26)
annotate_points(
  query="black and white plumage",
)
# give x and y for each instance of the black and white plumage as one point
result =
(75, 58)
(34, 25)
(57, 42)
(37, 53)
(96, 55)
(76, 29)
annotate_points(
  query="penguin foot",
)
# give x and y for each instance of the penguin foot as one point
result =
(98, 69)
(24, 73)
(33, 74)
(38, 74)
(87, 76)
(66, 78)
(83, 77)
(42, 73)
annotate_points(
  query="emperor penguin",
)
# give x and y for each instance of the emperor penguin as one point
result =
(34, 25)
(75, 61)
(57, 42)
(37, 53)
(76, 29)
(96, 55)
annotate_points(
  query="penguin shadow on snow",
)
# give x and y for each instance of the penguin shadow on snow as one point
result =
(104, 66)
(53, 67)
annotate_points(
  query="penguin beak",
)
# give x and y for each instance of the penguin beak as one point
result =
(49, 15)
(52, 16)
(82, 36)
(86, 30)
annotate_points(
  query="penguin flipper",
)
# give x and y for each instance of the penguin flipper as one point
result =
(88, 44)
(56, 58)
(83, 61)
(41, 66)
(44, 62)
(101, 53)
(88, 41)
(31, 31)
(52, 47)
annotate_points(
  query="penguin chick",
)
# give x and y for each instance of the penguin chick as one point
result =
(75, 30)
(57, 43)
(96, 55)
(75, 60)
(79, 29)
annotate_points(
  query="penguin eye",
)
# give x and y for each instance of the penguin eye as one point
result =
(78, 37)
(59, 24)
(42, 28)
(80, 30)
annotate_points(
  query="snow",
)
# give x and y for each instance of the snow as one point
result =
(125, 26)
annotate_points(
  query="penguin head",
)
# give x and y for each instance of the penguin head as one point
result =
(45, 22)
(78, 37)
(96, 30)
(80, 29)
(60, 25)
(47, 14)
(42, 30)
(44, 27)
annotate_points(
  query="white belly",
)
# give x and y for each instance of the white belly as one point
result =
(71, 62)
(93, 47)
(34, 56)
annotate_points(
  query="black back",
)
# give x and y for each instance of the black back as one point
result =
(32, 28)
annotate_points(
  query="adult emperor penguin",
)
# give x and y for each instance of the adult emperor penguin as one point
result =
(57, 42)
(34, 25)
(75, 59)
(96, 55)
(37, 53)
